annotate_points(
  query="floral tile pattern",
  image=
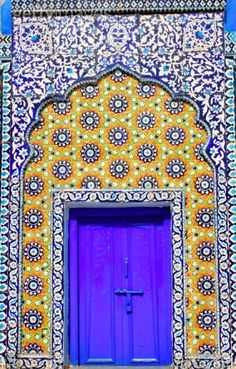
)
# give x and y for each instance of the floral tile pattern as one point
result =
(118, 40)
(36, 39)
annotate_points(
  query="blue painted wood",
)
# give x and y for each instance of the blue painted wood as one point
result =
(121, 252)
(230, 19)
(164, 291)
(143, 322)
(97, 284)
(6, 18)
(73, 293)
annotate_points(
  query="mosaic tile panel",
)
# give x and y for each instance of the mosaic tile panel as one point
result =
(5, 47)
(230, 44)
(120, 134)
(112, 5)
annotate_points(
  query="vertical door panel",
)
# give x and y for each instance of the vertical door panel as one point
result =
(97, 343)
(143, 345)
(119, 242)
(73, 293)
(164, 287)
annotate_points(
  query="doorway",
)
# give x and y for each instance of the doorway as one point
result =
(120, 287)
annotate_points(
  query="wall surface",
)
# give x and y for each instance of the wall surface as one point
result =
(170, 70)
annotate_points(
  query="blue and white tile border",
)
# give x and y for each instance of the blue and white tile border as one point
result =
(5, 203)
(118, 5)
(231, 166)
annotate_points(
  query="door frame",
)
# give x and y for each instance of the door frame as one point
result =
(122, 217)
(117, 367)
(62, 202)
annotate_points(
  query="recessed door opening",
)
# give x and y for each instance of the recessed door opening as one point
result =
(120, 287)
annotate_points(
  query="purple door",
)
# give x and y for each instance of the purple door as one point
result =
(120, 287)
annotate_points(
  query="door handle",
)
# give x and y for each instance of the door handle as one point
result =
(128, 294)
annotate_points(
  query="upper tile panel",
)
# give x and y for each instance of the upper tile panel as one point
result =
(118, 42)
(119, 5)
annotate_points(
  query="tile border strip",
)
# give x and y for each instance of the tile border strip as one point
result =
(116, 6)
(4, 204)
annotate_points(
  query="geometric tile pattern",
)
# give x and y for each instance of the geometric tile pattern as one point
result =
(5, 47)
(119, 134)
(230, 44)
(113, 5)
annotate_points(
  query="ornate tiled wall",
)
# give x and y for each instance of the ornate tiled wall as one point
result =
(120, 134)
(68, 90)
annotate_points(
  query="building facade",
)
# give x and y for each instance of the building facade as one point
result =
(117, 105)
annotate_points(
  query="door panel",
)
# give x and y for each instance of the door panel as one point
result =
(124, 252)
(97, 317)
(119, 242)
(143, 275)
(74, 323)
(164, 292)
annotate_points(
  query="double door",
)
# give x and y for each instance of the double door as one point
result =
(120, 288)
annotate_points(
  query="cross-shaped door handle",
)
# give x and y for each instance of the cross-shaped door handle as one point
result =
(128, 294)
